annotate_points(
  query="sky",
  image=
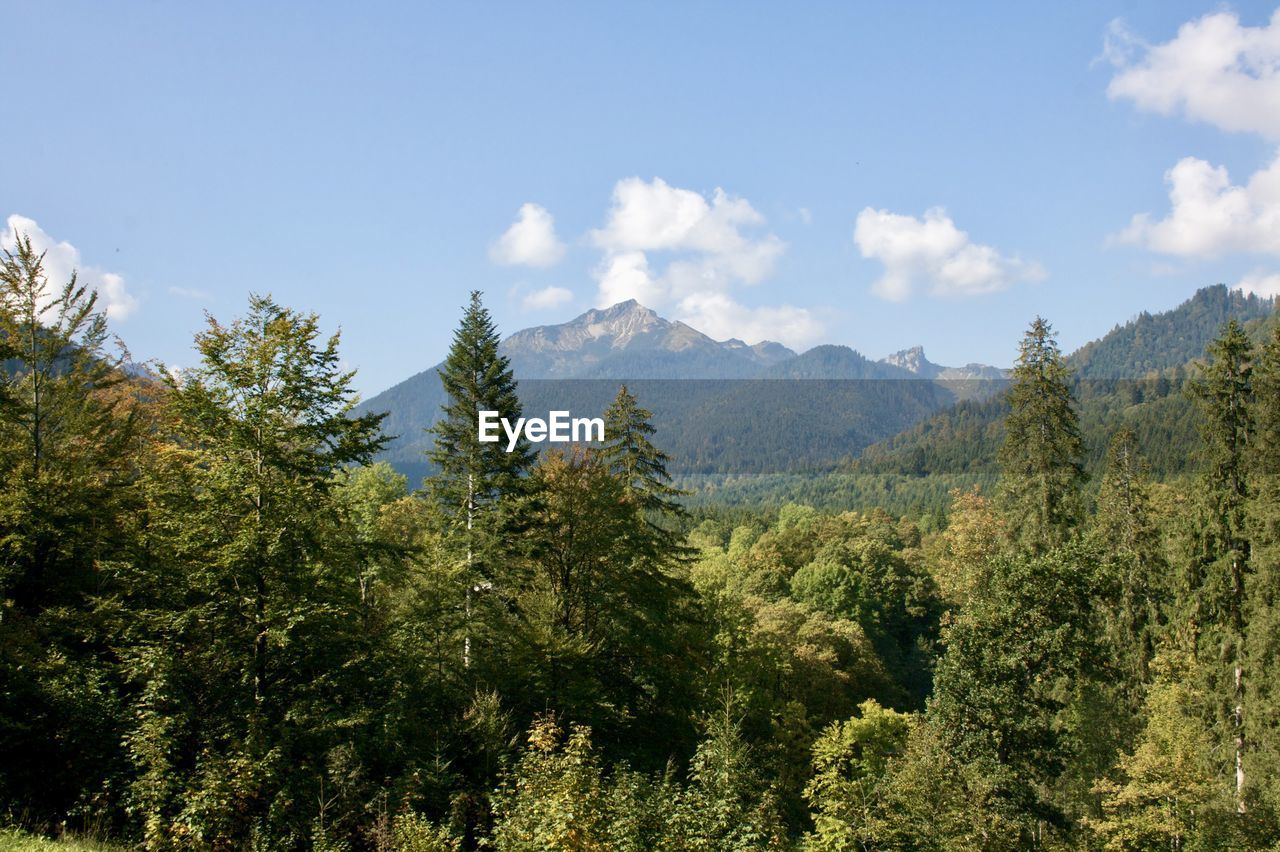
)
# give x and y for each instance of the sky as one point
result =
(875, 175)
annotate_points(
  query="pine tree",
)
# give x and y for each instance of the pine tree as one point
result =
(1224, 391)
(1130, 542)
(1262, 643)
(475, 477)
(630, 455)
(479, 485)
(1040, 464)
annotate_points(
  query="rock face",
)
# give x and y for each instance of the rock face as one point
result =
(914, 360)
(629, 340)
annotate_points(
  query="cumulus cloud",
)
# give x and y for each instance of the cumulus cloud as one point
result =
(719, 316)
(530, 241)
(547, 297)
(1214, 70)
(61, 259)
(684, 252)
(1210, 216)
(1260, 283)
(932, 251)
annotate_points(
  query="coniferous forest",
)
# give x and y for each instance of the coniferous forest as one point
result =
(224, 626)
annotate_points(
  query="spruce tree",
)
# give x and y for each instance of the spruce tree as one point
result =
(630, 455)
(1262, 648)
(1040, 464)
(479, 485)
(1217, 581)
(474, 477)
(1130, 544)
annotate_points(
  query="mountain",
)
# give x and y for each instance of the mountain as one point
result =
(1132, 375)
(1153, 342)
(726, 407)
(972, 381)
(913, 361)
(719, 405)
(624, 342)
(629, 340)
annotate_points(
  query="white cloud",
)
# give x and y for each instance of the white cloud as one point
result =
(1210, 216)
(627, 276)
(61, 259)
(547, 297)
(710, 246)
(710, 250)
(720, 317)
(1214, 70)
(934, 252)
(530, 241)
(1260, 283)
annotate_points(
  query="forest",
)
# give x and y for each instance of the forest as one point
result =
(224, 626)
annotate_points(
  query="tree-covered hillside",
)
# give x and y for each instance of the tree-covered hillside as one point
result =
(224, 626)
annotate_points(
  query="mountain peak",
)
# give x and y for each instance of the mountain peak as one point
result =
(914, 360)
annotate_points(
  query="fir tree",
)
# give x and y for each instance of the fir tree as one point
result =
(1262, 648)
(1128, 537)
(477, 482)
(1224, 391)
(630, 455)
(479, 485)
(1040, 460)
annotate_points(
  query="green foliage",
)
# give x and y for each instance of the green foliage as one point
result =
(1013, 659)
(221, 627)
(68, 457)
(1168, 794)
(250, 679)
(1040, 470)
(1124, 529)
(727, 805)
(558, 796)
(478, 482)
(18, 841)
(850, 777)
(1156, 342)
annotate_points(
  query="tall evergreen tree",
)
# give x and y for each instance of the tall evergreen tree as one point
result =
(1130, 543)
(631, 456)
(1217, 581)
(1040, 464)
(1262, 642)
(478, 485)
(474, 477)
(641, 467)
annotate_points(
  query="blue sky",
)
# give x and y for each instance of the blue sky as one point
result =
(873, 175)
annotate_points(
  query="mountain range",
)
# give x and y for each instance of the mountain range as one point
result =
(726, 407)
(702, 391)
